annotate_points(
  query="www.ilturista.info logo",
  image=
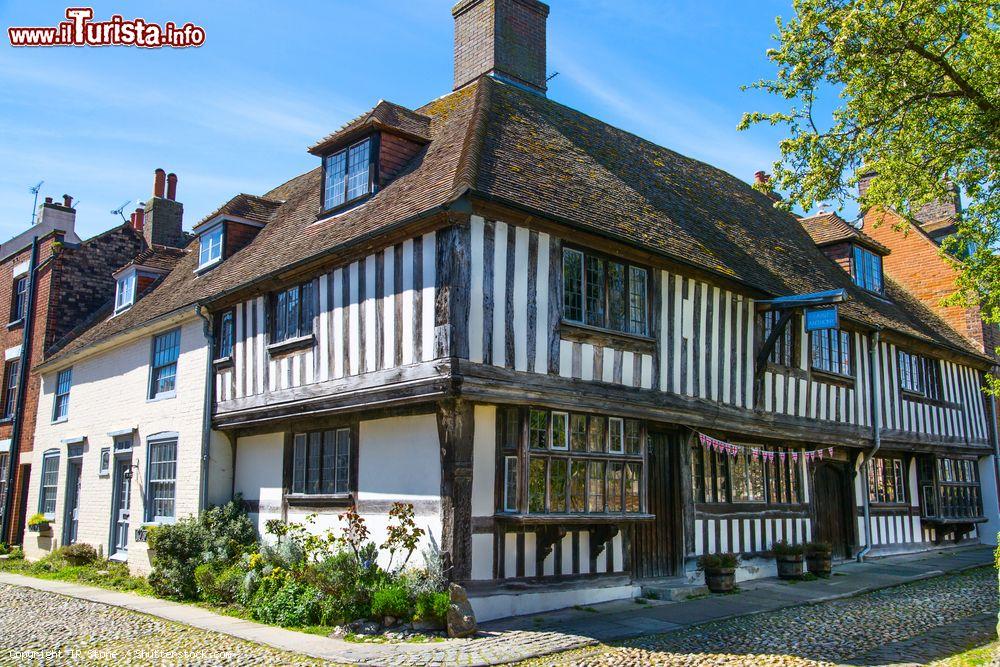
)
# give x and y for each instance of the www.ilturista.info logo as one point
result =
(81, 30)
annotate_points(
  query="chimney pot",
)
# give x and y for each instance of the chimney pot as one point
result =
(159, 177)
(172, 186)
(761, 177)
(67, 201)
(48, 200)
(138, 219)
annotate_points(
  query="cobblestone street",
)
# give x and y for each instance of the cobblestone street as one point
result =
(915, 623)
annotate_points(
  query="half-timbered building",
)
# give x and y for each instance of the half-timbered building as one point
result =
(523, 320)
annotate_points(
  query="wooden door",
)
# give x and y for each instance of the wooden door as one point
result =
(122, 505)
(655, 543)
(71, 516)
(832, 509)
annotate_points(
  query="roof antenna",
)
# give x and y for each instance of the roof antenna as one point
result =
(551, 76)
(120, 210)
(34, 207)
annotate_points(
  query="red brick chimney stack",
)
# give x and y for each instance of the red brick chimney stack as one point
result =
(67, 201)
(159, 177)
(138, 217)
(761, 178)
(172, 186)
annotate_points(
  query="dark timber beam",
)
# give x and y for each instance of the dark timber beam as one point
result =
(455, 430)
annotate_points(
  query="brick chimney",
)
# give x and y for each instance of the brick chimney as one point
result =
(53, 215)
(503, 38)
(164, 215)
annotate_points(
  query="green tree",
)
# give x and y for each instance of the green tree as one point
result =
(909, 89)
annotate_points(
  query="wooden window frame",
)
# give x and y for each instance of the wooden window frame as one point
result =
(11, 385)
(19, 299)
(219, 228)
(220, 355)
(305, 326)
(827, 334)
(605, 326)
(777, 474)
(858, 256)
(332, 496)
(131, 280)
(374, 140)
(927, 371)
(154, 444)
(791, 332)
(44, 489)
(59, 395)
(876, 492)
(155, 368)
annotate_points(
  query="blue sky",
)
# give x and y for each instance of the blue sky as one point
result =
(236, 114)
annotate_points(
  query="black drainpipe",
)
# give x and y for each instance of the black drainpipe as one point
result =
(22, 380)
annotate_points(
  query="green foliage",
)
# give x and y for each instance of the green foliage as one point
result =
(38, 519)
(392, 600)
(217, 585)
(281, 599)
(79, 553)
(782, 548)
(402, 533)
(431, 606)
(720, 561)
(217, 536)
(348, 581)
(908, 90)
(16, 553)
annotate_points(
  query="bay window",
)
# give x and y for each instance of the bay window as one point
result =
(950, 488)
(718, 477)
(605, 293)
(573, 462)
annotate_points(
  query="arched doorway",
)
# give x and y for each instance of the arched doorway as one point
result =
(832, 500)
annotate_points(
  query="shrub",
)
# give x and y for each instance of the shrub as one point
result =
(431, 606)
(281, 599)
(79, 553)
(782, 548)
(392, 600)
(818, 549)
(718, 561)
(228, 532)
(16, 553)
(347, 584)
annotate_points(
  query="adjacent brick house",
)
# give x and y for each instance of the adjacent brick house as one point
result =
(52, 283)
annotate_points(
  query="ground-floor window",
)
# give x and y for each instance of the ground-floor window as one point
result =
(575, 462)
(321, 462)
(718, 477)
(950, 488)
(162, 479)
(50, 484)
(886, 480)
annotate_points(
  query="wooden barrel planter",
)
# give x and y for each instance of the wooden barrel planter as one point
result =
(721, 580)
(819, 559)
(790, 566)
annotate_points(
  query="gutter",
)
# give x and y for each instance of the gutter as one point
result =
(876, 401)
(206, 416)
(13, 460)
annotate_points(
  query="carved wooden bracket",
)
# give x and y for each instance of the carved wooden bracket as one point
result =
(546, 538)
(600, 536)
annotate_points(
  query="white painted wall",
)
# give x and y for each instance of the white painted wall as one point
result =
(483, 477)
(109, 394)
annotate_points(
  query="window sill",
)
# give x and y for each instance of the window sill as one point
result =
(290, 345)
(832, 378)
(574, 519)
(223, 362)
(119, 557)
(917, 397)
(320, 499)
(165, 396)
(204, 268)
(15, 324)
(7, 420)
(585, 333)
(60, 420)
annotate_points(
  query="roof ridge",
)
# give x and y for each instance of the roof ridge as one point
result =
(467, 169)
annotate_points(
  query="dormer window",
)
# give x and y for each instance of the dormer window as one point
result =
(347, 174)
(866, 269)
(125, 292)
(210, 247)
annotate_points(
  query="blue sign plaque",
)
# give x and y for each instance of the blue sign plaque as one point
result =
(822, 318)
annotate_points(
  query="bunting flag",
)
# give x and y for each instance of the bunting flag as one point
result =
(729, 448)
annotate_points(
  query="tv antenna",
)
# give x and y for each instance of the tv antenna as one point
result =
(120, 210)
(551, 76)
(34, 207)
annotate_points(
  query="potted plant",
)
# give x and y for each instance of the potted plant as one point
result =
(819, 558)
(38, 523)
(720, 571)
(789, 557)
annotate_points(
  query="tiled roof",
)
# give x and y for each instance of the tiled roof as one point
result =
(384, 115)
(160, 258)
(513, 146)
(829, 228)
(249, 207)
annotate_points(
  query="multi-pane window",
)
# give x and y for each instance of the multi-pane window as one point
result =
(783, 353)
(60, 407)
(604, 293)
(161, 485)
(50, 481)
(918, 374)
(11, 378)
(958, 489)
(163, 376)
(577, 463)
(19, 302)
(210, 246)
(886, 480)
(347, 174)
(831, 351)
(720, 478)
(224, 336)
(321, 462)
(866, 268)
(294, 309)
(125, 292)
